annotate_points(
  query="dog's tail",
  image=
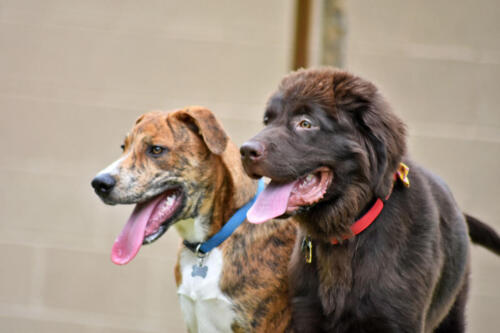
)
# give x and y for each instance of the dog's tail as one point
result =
(482, 234)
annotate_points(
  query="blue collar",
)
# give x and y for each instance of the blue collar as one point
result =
(234, 222)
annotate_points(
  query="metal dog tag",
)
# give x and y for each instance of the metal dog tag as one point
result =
(306, 247)
(200, 269)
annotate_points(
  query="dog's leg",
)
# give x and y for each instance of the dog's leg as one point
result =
(455, 319)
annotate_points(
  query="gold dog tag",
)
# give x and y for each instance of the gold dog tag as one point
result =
(307, 249)
(402, 172)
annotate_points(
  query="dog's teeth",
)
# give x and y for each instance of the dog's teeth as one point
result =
(309, 178)
(170, 201)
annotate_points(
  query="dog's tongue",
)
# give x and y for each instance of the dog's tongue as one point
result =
(128, 243)
(272, 202)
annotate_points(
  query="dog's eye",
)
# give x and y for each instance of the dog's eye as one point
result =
(266, 120)
(156, 150)
(122, 147)
(305, 124)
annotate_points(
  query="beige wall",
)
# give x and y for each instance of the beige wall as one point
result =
(74, 76)
(438, 63)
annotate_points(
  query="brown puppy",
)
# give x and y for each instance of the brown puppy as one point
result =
(378, 254)
(181, 169)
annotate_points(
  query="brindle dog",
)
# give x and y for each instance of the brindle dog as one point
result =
(331, 147)
(181, 169)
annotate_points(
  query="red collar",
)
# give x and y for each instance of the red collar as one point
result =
(371, 215)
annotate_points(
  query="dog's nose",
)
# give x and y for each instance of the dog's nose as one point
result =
(252, 151)
(103, 183)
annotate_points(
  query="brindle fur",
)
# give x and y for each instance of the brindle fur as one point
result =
(408, 271)
(202, 158)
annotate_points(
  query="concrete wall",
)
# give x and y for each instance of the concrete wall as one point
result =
(74, 76)
(438, 63)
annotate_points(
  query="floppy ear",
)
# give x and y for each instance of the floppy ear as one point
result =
(139, 119)
(381, 132)
(203, 121)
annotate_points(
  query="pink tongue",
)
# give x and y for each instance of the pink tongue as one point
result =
(272, 202)
(130, 239)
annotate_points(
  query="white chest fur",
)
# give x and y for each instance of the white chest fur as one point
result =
(205, 308)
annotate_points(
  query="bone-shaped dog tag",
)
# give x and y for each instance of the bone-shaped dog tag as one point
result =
(199, 270)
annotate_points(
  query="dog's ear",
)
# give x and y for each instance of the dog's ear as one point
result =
(203, 122)
(141, 117)
(381, 132)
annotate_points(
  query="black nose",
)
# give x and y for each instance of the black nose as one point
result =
(252, 151)
(103, 183)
